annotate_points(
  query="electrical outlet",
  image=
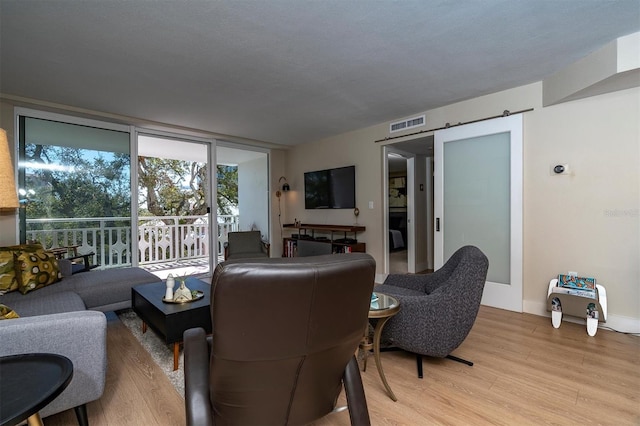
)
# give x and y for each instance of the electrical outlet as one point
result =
(371, 205)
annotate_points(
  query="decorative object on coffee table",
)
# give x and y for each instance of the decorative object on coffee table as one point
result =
(182, 294)
(195, 296)
(171, 282)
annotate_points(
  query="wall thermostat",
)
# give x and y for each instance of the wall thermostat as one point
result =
(560, 169)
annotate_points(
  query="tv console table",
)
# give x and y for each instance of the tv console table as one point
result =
(338, 245)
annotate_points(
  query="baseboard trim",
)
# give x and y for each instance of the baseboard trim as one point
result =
(422, 266)
(616, 322)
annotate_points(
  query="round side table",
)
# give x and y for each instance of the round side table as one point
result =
(382, 308)
(30, 382)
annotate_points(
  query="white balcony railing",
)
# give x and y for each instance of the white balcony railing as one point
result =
(160, 238)
(108, 237)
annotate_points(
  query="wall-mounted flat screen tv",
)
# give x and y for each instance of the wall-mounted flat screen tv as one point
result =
(330, 189)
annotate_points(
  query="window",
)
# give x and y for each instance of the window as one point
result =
(75, 187)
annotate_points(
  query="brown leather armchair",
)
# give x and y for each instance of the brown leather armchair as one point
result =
(285, 331)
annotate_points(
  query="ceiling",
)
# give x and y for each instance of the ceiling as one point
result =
(291, 71)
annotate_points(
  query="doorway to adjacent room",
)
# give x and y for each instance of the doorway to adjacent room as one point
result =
(408, 234)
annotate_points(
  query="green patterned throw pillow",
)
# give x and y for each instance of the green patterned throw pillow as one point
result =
(8, 280)
(36, 270)
(7, 313)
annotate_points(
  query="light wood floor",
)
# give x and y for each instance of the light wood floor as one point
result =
(525, 373)
(398, 263)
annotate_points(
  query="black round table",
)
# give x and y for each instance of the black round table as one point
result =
(28, 383)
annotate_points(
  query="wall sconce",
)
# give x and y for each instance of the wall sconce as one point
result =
(285, 186)
(8, 194)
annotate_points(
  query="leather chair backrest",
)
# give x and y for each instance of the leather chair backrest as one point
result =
(283, 331)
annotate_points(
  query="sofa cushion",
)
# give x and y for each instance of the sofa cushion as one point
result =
(36, 304)
(7, 313)
(35, 270)
(105, 287)
(66, 284)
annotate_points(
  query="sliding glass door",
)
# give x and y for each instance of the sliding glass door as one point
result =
(173, 204)
(135, 196)
(242, 191)
(74, 185)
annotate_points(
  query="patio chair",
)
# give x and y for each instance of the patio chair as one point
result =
(75, 264)
(286, 331)
(245, 245)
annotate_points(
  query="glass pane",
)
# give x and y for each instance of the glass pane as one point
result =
(173, 218)
(477, 200)
(75, 187)
(243, 192)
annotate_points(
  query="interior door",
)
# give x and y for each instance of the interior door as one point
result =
(478, 201)
(399, 206)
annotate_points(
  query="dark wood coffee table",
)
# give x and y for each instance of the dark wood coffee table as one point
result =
(29, 383)
(170, 320)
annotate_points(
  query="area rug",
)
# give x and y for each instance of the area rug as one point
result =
(161, 353)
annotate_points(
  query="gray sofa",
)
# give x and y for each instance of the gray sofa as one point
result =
(67, 318)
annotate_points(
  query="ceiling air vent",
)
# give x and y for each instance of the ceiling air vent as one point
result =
(407, 124)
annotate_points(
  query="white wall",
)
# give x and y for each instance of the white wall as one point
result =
(588, 222)
(354, 148)
(253, 195)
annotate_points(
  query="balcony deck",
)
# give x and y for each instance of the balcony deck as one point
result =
(194, 267)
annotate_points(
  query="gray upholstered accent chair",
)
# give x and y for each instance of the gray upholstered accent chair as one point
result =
(285, 331)
(437, 310)
(245, 245)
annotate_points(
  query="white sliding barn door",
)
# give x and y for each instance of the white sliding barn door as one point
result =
(478, 201)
